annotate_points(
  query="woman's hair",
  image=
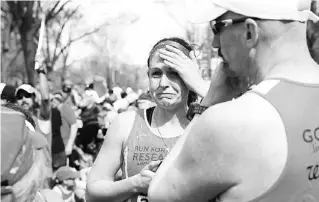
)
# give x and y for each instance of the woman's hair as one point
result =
(192, 96)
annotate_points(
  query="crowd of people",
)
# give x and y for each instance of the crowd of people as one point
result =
(72, 122)
(250, 134)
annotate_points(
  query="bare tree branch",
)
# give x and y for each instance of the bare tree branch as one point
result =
(68, 17)
(48, 44)
(76, 39)
(15, 57)
(13, 8)
(49, 15)
(59, 10)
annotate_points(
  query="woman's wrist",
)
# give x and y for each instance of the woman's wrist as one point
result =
(135, 183)
(202, 89)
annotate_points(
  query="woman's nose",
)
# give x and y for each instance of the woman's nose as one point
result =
(164, 81)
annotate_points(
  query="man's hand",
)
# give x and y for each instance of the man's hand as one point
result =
(144, 178)
(224, 86)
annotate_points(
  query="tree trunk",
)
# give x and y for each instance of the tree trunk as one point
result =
(29, 50)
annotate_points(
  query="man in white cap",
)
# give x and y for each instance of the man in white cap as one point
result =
(263, 145)
(26, 97)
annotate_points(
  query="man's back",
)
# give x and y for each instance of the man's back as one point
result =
(254, 147)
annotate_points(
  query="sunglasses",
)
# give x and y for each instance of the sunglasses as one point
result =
(218, 26)
(24, 94)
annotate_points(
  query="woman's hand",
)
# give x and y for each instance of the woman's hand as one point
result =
(187, 67)
(144, 178)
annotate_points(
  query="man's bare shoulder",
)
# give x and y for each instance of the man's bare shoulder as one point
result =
(249, 124)
(243, 137)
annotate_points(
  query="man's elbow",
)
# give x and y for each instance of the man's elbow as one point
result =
(154, 193)
(158, 193)
(91, 192)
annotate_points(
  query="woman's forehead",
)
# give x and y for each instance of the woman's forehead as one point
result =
(156, 60)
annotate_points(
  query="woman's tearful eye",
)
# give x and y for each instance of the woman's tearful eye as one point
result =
(156, 73)
(172, 73)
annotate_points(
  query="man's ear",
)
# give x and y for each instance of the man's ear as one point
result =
(251, 29)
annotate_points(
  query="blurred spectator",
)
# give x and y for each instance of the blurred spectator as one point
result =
(145, 101)
(41, 112)
(117, 91)
(69, 126)
(7, 93)
(89, 90)
(68, 96)
(57, 146)
(24, 172)
(111, 98)
(121, 104)
(66, 183)
(26, 98)
(87, 138)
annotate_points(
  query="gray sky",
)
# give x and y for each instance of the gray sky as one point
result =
(155, 20)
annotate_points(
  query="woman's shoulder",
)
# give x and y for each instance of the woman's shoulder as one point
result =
(123, 123)
(128, 116)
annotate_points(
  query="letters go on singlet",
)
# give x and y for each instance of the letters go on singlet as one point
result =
(311, 135)
(313, 172)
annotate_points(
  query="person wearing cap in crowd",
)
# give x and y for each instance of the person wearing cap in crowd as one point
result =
(23, 165)
(7, 93)
(65, 178)
(87, 138)
(69, 125)
(137, 141)
(26, 98)
(261, 146)
(70, 96)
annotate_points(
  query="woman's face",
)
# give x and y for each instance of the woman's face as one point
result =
(166, 86)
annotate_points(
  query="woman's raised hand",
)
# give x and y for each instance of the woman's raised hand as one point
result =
(187, 67)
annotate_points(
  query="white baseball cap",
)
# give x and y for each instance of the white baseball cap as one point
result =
(201, 11)
(26, 87)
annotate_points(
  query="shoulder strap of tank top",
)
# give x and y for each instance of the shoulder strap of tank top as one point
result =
(138, 122)
(149, 115)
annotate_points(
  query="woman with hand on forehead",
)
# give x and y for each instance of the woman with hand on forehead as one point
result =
(137, 141)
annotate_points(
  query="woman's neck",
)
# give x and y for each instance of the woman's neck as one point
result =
(170, 120)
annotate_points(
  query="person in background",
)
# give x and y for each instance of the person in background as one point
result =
(111, 97)
(23, 172)
(57, 146)
(41, 112)
(65, 178)
(137, 141)
(121, 104)
(7, 93)
(26, 98)
(69, 125)
(88, 133)
(89, 91)
(70, 96)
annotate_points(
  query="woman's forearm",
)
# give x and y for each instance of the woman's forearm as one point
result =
(110, 191)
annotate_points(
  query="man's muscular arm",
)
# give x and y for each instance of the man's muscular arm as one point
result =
(199, 167)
